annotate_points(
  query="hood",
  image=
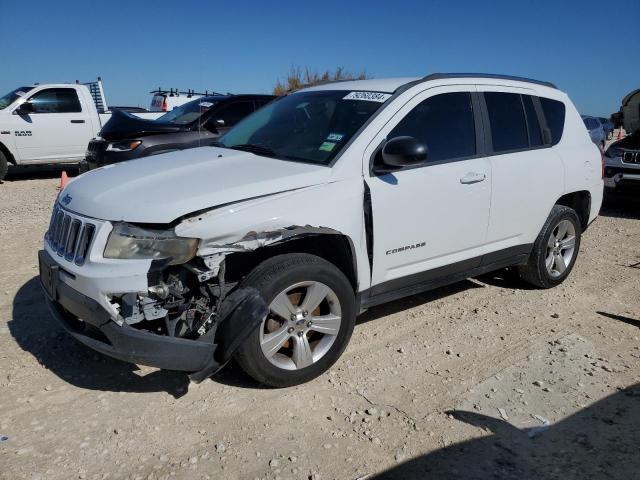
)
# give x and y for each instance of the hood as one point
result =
(630, 142)
(123, 125)
(162, 188)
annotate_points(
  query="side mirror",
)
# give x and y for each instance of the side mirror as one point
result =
(218, 122)
(404, 152)
(24, 109)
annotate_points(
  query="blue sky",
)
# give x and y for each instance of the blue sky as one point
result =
(589, 49)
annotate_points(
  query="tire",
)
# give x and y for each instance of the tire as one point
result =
(560, 254)
(306, 353)
(4, 166)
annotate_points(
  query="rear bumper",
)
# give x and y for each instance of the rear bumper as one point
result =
(87, 321)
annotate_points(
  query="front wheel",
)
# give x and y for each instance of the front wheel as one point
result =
(555, 250)
(310, 321)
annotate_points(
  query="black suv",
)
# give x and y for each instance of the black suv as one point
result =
(194, 124)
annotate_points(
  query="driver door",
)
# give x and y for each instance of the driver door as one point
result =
(430, 221)
(57, 128)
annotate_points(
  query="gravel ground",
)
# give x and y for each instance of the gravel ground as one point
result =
(484, 378)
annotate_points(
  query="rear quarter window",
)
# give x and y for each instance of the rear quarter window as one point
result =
(554, 113)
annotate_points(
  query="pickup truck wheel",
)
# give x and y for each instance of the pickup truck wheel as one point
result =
(4, 166)
(555, 250)
(311, 319)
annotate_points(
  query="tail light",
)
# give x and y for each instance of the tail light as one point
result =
(164, 104)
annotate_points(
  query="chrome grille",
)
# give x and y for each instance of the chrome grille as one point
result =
(631, 157)
(69, 236)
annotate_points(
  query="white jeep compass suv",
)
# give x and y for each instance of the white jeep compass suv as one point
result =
(323, 203)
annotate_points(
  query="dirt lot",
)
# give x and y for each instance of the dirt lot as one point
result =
(485, 378)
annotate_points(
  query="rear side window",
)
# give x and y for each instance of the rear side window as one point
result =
(535, 134)
(554, 112)
(444, 123)
(591, 123)
(508, 124)
(56, 100)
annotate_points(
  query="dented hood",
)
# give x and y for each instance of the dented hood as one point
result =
(162, 188)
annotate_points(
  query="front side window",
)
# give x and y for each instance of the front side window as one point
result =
(444, 123)
(13, 95)
(312, 126)
(56, 100)
(554, 112)
(508, 125)
(233, 112)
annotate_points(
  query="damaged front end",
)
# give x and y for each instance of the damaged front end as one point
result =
(201, 301)
(187, 302)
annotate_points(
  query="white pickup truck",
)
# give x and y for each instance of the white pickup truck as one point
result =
(51, 123)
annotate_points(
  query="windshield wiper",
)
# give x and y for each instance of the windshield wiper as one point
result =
(257, 149)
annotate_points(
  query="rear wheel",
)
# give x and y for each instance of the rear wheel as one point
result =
(310, 321)
(4, 166)
(555, 250)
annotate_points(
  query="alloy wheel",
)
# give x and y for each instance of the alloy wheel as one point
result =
(560, 248)
(303, 323)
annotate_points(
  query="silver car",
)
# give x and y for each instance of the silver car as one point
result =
(596, 130)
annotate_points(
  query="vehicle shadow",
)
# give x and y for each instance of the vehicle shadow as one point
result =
(600, 441)
(32, 172)
(624, 204)
(621, 318)
(38, 333)
(413, 301)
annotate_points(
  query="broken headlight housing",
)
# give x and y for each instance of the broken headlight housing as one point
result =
(132, 242)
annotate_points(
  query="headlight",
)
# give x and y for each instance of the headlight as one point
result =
(129, 241)
(125, 146)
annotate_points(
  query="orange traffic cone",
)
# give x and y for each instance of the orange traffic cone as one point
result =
(63, 180)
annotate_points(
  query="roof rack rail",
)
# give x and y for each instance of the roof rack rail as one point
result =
(439, 76)
(189, 93)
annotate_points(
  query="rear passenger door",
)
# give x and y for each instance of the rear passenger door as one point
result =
(528, 174)
(431, 221)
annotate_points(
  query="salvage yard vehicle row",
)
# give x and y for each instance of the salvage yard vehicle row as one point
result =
(51, 123)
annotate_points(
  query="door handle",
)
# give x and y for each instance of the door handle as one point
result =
(472, 177)
(77, 121)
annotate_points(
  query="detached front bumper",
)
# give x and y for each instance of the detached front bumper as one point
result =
(87, 321)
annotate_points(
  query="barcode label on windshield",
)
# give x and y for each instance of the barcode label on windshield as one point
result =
(368, 96)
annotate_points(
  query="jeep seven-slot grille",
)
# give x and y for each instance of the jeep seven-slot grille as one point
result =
(69, 236)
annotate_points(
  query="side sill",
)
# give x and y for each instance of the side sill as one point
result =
(490, 262)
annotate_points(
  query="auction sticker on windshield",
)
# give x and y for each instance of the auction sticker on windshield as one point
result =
(367, 96)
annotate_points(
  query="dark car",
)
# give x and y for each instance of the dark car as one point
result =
(622, 164)
(196, 123)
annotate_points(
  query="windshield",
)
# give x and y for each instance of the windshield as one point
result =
(307, 126)
(186, 113)
(12, 96)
